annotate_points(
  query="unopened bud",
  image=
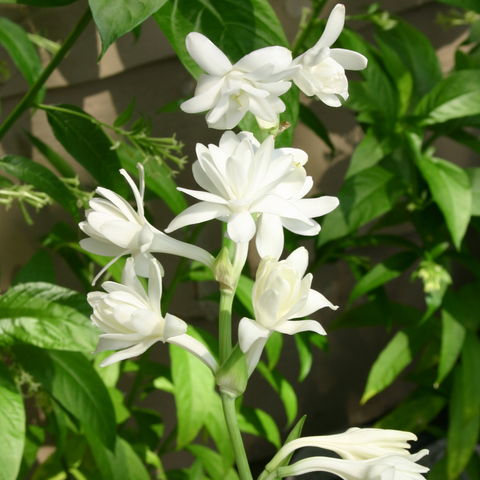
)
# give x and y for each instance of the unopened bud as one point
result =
(223, 271)
(232, 376)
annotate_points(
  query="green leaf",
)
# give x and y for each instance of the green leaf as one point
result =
(114, 19)
(34, 439)
(453, 97)
(367, 154)
(284, 390)
(465, 4)
(12, 425)
(310, 119)
(121, 464)
(416, 53)
(399, 352)
(21, 50)
(450, 188)
(214, 463)
(235, 31)
(462, 432)
(194, 385)
(273, 348)
(453, 335)
(121, 411)
(157, 178)
(126, 115)
(72, 381)
(363, 197)
(89, 145)
(471, 382)
(42, 179)
(58, 162)
(474, 176)
(150, 426)
(374, 314)
(258, 423)
(244, 293)
(46, 316)
(415, 413)
(464, 305)
(110, 374)
(38, 269)
(383, 272)
(303, 341)
(41, 3)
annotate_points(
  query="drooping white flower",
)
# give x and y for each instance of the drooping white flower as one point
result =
(323, 69)
(132, 320)
(228, 91)
(354, 444)
(116, 229)
(281, 292)
(387, 467)
(241, 178)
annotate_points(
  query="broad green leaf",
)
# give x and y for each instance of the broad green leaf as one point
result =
(310, 119)
(274, 349)
(114, 19)
(417, 54)
(450, 188)
(88, 144)
(363, 197)
(453, 335)
(284, 390)
(12, 426)
(259, 423)
(120, 464)
(383, 272)
(453, 97)
(34, 439)
(42, 179)
(38, 269)
(121, 411)
(194, 385)
(367, 154)
(465, 138)
(399, 352)
(58, 162)
(415, 413)
(471, 380)
(465, 4)
(126, 115)
(474, 176)
(22, 51)
(473, 467)
(150, 426)
(304, 341)
(157, 178)
(244, 293)
(41, 3)
(462, 432)
(46, 316)
(110, 374)
(72, 381)
(372, 314)
(213, 462)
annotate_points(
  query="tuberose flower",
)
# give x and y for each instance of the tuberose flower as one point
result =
(281, 292)
(229, 91)
(323, 69)
(132, 320)
(243, 178)
(116, 229)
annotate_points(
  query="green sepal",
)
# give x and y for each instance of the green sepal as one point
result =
(232, 376)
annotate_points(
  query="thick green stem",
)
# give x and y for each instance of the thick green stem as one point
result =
(29, 98)
(303, 33)
(235, 437)
(225, 324)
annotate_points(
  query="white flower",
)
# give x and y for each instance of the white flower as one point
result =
(116, 229)
(241, 178)
(229, 91)
(387, 467)
(132, 320)
(323, 69)
(280, 293)
(354, 444)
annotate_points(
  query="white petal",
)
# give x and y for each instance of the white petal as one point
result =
(349, 59)
(142, 263)
(232, 117)
(155, 286)
(207, 55)
(298, 259)
(105, 249)
(329, 99)
(196, 348)
(301, 228)
(128, 353)
(116, 342)
(279, 57)
(254, 353)
(241, 227)
(292, 327)
(304, 83)
(130, 280)
(124, 234)
(266, 308)
(278, 206)
(261, 108)
(219, 109)
(124, 207)
(203, 101)
(198, 213)
(249, 331)
(174, 326)
(316, 207)
(203, 196)
(315, 302)
(136, 193)
(315, 56)
(146, 323)
(260, 73)
(333, 28)
(269, 239)
(229, 142)
(203, 180)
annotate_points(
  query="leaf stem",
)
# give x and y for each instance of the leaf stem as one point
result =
(235, 437)
(225, 324)
(303, 32)
(29, 98)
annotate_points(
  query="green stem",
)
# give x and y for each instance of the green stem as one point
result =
(29, 98)
(225, 324)
(303, 33)
(235, 437)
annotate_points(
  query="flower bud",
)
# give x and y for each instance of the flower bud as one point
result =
(223, 271)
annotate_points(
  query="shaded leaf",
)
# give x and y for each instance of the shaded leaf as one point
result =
(474, 176)
(310, 119)
(258, 423)
(273, 348)
(214, 463)
(125, 116)
(38, 269)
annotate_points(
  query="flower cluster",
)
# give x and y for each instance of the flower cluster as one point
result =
(255, 83)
